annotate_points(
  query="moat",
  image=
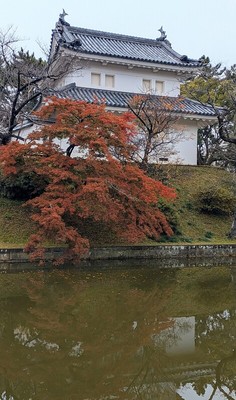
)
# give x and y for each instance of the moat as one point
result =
(118, 332)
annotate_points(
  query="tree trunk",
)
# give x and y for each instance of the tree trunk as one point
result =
(145, 160)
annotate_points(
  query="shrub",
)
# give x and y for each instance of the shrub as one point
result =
(216, 200)
(209, 235)
(21, 187)
(171, 214)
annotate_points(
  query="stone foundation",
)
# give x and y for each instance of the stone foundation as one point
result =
(132, 252)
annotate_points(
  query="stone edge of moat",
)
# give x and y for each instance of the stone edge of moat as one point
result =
(17, 255)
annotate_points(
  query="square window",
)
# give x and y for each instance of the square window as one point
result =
(95, 79)
(109, 81)
(147, 85)
(159, 87)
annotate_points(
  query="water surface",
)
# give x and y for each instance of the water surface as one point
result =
(118, 333)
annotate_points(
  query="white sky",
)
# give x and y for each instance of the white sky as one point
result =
(194, 27)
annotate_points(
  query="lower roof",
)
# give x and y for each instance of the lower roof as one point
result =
(117, 99)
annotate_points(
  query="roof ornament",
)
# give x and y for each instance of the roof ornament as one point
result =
(62, 15)
(61, 20)
(163, 34)
(60, 24)
(163, 37)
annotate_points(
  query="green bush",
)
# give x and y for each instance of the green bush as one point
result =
(21, 187)
(171, 214)
(209, 235)
(216, 200)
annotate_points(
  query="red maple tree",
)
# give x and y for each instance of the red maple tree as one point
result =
(99, 183)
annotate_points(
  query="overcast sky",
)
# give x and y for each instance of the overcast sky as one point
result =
(194, 27)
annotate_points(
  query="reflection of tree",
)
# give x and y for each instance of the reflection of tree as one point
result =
(216, 329)
(225, 373)
(222, 381)
(77, 335)
(202, 291)
(207, 291)
(200, 385)
(100, 332)
(225, 377)
(214, 335)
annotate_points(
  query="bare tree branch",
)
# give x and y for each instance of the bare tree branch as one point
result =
(155, 119)
(23, 81)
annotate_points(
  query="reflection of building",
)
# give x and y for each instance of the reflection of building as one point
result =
(178, 338)
(181, 365)
(189, 343)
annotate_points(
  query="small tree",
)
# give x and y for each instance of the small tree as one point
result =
(216, 86)
(100, 184)
(155, 118)
(217, 143)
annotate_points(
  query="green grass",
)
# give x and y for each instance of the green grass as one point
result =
(197, 227)
(15, 224)
(194, 227)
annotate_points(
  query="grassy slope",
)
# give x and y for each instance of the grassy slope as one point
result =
(15, 224)
(197, 226)
(16, 227)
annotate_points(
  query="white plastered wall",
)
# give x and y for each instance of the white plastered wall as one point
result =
(182, 146)
(126, 79)
(185, 146)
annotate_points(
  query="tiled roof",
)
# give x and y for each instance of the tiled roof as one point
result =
(121, 99)
(88, 41)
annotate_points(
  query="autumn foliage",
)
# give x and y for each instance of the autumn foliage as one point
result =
(83, 155)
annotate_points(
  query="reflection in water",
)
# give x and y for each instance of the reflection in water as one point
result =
(120, 333)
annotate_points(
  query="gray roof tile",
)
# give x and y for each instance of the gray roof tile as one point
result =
(107, 44)
(121, 99)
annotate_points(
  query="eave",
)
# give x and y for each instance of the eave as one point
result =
(129, 63)
(190, 117)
